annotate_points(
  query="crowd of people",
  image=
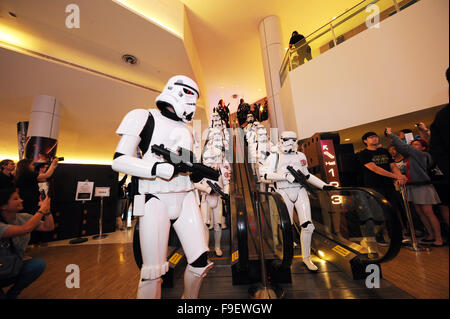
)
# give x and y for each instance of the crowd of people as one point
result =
(24, 207)
(408, 164)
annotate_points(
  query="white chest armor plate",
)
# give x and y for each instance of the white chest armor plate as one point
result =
(296, 160)
(172, 134)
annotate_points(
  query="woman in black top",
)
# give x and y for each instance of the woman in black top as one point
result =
(27, 182)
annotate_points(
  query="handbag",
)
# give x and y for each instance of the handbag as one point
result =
(10, 261)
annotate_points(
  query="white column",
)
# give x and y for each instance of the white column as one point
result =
(42, 134)
(272, 56)
(44, 120)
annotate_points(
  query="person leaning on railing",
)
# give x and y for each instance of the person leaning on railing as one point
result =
(303, 50)
(15, 229)
(419, 189)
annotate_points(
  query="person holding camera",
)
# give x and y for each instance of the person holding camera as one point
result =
(15, 229)
(27, 181)
(419, 189)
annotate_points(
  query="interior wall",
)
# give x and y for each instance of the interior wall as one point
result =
(380, 73)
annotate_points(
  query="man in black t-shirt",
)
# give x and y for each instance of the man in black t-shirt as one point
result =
(380, 171)
(7, 168)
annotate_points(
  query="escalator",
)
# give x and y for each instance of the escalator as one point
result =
(275, 224)
(354, 228)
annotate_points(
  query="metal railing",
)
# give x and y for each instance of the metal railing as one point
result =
(365, 14)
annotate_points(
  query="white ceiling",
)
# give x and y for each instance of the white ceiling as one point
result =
(91, 106)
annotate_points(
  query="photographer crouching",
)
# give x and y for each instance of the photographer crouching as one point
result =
(15, 229)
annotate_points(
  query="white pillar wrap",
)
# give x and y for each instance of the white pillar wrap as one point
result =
(272, 56)
(45, 115)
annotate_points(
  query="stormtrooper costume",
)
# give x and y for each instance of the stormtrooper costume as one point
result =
(294, 195)
(165, 194)
(250, 120)
(261, 152)
(218, 133)
(211, 204)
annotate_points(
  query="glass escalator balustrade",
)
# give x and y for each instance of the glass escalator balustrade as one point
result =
(356, 218)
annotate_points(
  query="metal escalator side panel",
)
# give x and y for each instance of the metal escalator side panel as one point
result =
(286, 227)
(360, 221)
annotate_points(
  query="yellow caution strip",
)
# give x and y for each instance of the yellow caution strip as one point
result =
(341, 250)
(235, 256)
(175, 258)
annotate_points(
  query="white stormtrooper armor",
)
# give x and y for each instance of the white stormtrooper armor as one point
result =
(165, 195)
(211, 204)
(261, 152)
(218, 132)
(294, 195)
(250, 120)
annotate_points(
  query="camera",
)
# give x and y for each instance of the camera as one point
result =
(42, 192)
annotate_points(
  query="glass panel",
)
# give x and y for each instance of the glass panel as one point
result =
(357, 20)
(345, 26)
(355, 218)
(271, 227)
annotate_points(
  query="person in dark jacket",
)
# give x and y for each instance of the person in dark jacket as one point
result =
(242, 111)
(224, 112)
(419, 189)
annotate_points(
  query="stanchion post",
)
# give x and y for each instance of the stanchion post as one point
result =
(415, 246)
(100, 223)
(80, 239)
(263, 291)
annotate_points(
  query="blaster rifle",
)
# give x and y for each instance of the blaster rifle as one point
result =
(301, 179)
(216, 188)
(184, 161)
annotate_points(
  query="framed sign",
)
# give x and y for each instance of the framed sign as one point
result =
(84, 190)
(102, 191)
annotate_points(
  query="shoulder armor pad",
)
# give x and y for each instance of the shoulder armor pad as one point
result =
(133, 122)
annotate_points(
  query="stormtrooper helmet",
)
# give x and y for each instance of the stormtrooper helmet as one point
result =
(215, 118)
(250, 118)
(212, 156)
(181, 93)
(262, 134)
(288, 142)
(218, 125)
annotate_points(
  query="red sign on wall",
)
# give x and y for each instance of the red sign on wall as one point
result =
(330, 162)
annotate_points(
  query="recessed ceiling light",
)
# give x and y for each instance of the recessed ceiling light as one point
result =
(347, 139)
(130, 59)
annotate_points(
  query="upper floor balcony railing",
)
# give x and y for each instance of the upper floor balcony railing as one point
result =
(364, 15)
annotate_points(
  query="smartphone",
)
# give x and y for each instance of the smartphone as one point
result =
(409, 137)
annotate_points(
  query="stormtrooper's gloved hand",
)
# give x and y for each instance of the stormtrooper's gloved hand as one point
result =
(179, 168)
(289, 178)
(329, 188)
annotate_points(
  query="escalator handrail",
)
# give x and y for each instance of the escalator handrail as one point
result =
(392, 223)
(242, 234)
(286, 227)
